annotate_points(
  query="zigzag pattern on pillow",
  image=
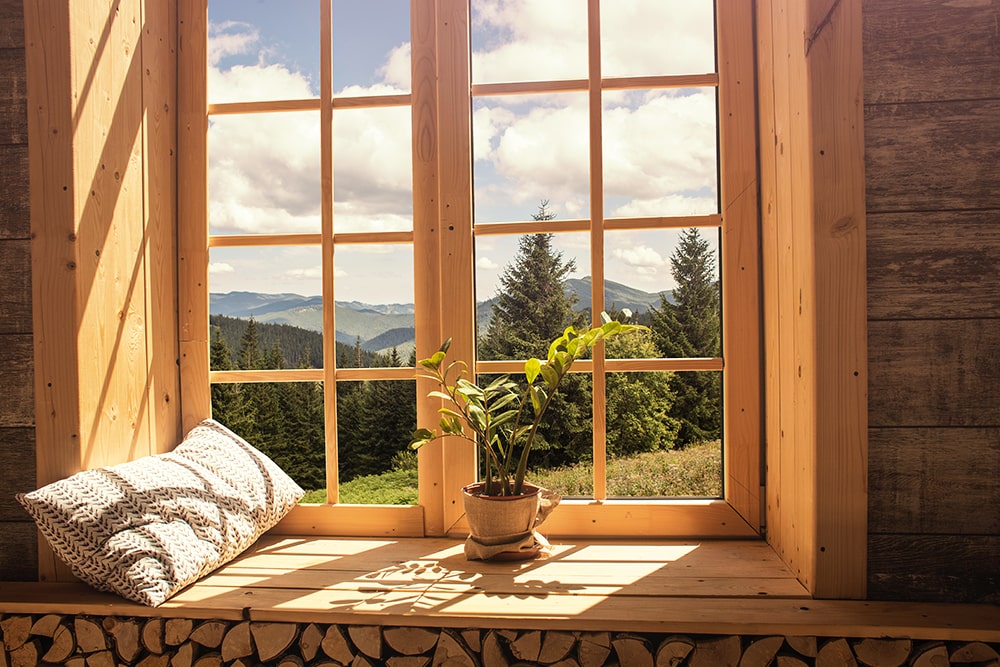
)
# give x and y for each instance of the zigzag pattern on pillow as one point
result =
(147, 528)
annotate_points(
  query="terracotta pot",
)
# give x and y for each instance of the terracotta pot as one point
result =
(502, 527)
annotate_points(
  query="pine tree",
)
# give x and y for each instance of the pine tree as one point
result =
(532, 308)
(689, 327)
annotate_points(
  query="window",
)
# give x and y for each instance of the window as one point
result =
(444, 210)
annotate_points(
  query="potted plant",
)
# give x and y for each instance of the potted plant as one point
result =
(502, 419)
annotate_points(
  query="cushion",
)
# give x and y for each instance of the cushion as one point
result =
(147, 528)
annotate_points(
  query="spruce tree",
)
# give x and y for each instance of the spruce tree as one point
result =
(689, 327)
(530, 309)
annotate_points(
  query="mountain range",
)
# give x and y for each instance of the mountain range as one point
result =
(383, 326)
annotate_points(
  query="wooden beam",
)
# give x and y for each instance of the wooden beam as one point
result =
(815, 325)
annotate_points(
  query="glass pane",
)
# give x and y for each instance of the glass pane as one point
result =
(262, 50)
(278, 289)
(663, 434)
(669, 280)
(374, 422)
(372, 170)
(529, 40)
(373, 286)
(657, 37)
(562, 454)
(264, 173)
(660, 153)
(371, 47)
(282, 419)
(528, 149)
(529, 289)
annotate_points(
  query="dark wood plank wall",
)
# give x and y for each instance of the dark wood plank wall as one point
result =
(932, 136)
(18, 547)
(932, 127)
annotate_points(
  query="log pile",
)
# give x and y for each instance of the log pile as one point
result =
(87, 641)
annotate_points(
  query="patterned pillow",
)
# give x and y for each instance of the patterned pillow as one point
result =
(147, 528)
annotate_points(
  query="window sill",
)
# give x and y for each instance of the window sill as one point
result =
(710, 587)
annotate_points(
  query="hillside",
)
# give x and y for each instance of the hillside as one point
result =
(381, 327)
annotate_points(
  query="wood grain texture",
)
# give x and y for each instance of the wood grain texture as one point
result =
(934, 373)
(16, 363)
(933, 568)
(13, 97)
(932, 157)
(15, 222)
(17, 474)
(925, 50)
(15, 286)
(11, 24)
(934, 481)
(939, 265)
(19, 550)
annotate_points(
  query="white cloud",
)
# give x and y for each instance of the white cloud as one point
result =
(643, 259)
(396, 70)
(487, 264)
(217, 268)
(311, 273)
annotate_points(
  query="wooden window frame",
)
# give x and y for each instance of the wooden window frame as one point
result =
(442, 180)
(813, 259)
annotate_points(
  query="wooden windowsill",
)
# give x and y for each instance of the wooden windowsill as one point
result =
(721, 587)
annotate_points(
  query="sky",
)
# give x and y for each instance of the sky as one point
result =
(659, 146)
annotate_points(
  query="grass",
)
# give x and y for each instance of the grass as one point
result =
(693, 471)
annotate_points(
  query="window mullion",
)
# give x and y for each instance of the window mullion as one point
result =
(595, 102)
(326, 230)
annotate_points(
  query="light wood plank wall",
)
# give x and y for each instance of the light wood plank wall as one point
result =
(813, 254)
(17, 412)
(102, 168)
(932, 147)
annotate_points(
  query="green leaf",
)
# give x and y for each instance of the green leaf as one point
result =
(536, 398)
(531, 368)
(468, 389)
(433, 362)
(550, 375)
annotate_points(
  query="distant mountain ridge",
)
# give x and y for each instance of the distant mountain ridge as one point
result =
(381, 327)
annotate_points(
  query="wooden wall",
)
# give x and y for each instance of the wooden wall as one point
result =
(932, 136)
(932, 127)
(17, 412)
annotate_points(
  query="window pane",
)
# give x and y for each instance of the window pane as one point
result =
(669, 280)
(657, 37)
(372, 170)
(660, 153)
(371, 47)
(262, 50)
(528, 40)
(662, 434)
(264, 173)
(373, 287)
(562, 453)
(278, 289)
(282, 419)
(374, 422)
(529, 289)
(527, 149)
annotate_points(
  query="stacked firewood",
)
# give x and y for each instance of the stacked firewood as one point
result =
(88, 641)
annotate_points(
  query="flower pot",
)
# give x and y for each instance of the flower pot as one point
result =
(503, 527)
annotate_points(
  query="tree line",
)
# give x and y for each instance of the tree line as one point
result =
(645, 411)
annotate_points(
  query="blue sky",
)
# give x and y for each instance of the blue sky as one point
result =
(659, 146)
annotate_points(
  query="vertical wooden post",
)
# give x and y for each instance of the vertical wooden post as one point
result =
(192, 206)
(739, 263)
(97, 153)
(596, 107)
(426, 247)
(457, 297)
(815, 320)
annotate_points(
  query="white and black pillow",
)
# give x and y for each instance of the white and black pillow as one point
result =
(147, 528)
